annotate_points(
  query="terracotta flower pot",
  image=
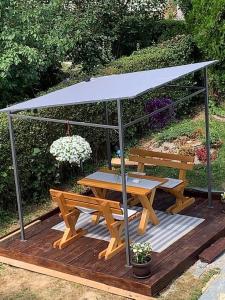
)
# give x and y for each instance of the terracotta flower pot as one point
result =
(142, 271)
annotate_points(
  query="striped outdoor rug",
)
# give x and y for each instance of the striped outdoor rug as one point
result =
(170, 229)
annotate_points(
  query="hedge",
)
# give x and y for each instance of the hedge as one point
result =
(179, 50)
(38, 170)
(141, 32)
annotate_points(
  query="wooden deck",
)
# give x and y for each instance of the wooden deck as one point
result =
(81, 258)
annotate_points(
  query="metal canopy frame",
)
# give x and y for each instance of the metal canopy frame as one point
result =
(120, 128)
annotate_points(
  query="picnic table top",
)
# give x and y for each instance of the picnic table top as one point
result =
(110, 180)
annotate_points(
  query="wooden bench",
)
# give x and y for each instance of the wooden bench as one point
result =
(71, 205)
(182, 163)
(116, 162)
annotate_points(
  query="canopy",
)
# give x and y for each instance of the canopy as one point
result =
(108, 88)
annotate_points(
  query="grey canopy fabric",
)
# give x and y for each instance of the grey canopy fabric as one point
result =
(108, 88)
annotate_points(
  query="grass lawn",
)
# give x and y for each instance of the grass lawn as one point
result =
(9, 221)
(25, 285)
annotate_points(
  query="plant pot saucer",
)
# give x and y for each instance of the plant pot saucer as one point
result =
(142, 277)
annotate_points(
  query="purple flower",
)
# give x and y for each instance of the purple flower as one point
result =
(161, 119)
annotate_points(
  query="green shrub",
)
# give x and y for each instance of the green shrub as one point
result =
(139, 32)
(207, 22)
(177, 51)
(38, 170)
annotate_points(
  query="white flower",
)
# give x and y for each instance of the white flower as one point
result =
(72, 149)
(141, 252)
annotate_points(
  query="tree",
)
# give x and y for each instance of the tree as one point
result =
(37, 35)
(34, 38)
(207, 22)
(100, 24)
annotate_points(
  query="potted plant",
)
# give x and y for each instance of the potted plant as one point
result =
(223, 202)
(141, 255)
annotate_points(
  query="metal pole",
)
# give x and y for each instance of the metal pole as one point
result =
(109, 154)
(25, 117)
(209, 167)
(123, 176)
(16, 178)
(173, 104)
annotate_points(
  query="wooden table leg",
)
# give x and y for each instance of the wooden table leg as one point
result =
(99, 193)
(147, 213)
(134, 200)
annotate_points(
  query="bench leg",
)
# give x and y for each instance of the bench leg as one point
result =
(112, 249)
(70, 233)
(182, 202)
(116, 244)
(95, 218)
(144, 221)
(68, 238)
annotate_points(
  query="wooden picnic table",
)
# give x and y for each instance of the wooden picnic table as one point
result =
(141, 187)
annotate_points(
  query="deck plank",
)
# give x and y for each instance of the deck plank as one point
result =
(81, 257)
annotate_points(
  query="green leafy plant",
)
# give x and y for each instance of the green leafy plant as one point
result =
(136, 32)
(207, 21)
(215, 139)
(216, 108)
(34, 38)
(141, 252)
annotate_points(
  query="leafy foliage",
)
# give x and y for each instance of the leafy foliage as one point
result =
(161, 119)
(185, 5)
(207, 21)
(176, 51)
(100, 27)
(38, 169)
(141, 252)
(34, 37)
(216, 108)
(37, 35)
(137, 32)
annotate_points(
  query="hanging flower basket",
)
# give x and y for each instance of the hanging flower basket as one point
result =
(72, 149)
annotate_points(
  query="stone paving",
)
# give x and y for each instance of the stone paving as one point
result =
(215, 288)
